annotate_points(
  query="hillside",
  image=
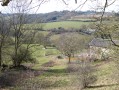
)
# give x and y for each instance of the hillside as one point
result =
(62, 16)
(51, 51)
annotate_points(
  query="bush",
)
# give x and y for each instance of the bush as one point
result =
(59, 57)
(9, 79)
(23, 55)
(85, 73)
(14, 78)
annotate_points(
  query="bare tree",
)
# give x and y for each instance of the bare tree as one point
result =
(4, 33)
(6, 2)
(18, 21)
(69, 44)
(107, 3)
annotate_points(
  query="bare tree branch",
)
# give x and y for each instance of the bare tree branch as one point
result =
(81, 5)
(106, 3)
(64, 2)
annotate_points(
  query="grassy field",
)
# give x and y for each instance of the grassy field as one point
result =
(54, 76)
(64, 24)
(43, 55)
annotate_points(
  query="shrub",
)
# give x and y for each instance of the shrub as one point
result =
(59, 57)
(85, 73)
(23, 55)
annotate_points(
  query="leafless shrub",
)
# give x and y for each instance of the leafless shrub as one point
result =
(72, 67)
(84, 72)
(17, 78)
(8, 79)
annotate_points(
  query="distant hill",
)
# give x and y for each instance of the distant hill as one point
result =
(58, 16)
(62, 16)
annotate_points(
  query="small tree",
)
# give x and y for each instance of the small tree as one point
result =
(69, 44)
(22, 37)
(85, 73)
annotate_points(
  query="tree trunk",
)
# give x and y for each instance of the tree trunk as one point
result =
(69, 59)
(16, 63)
(0, 57)
(45, 46)
(73, 55)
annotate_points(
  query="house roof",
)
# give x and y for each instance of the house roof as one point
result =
(98, 42)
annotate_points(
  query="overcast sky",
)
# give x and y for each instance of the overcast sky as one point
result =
(58, 5)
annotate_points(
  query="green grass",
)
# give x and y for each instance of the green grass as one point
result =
(39, 51)
(40, 61)
(105, 76)
(82, 19)
(43, 55)
(64, 24)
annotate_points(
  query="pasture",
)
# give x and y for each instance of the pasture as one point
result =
(66, 24)
(63, 24)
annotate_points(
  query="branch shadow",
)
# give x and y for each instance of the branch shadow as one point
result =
(99, 86)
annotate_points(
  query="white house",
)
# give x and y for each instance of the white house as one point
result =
(100, 48)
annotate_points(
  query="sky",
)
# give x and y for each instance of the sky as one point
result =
(59, 5)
